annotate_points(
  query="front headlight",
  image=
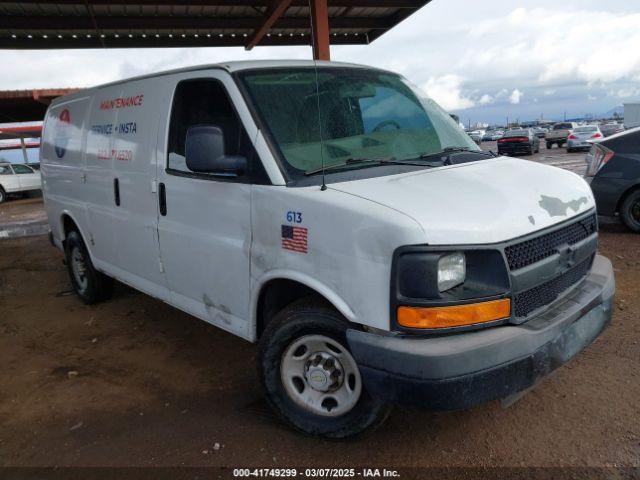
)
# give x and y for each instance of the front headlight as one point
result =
(452, 270)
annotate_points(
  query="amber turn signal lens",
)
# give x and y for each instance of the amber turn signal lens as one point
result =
(454, 316)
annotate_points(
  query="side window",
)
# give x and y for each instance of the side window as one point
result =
(206, 102)
(5, 170)
(20, 169)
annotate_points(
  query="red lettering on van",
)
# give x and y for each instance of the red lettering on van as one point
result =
(122, 102)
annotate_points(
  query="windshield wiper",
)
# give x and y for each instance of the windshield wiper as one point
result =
(446, 152)
(349, 162)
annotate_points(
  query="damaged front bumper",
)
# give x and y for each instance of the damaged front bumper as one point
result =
(461, 370)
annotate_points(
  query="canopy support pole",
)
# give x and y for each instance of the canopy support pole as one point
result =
(24, 150)
(320, 30)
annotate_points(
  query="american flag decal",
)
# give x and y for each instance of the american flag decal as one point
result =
(294, 238)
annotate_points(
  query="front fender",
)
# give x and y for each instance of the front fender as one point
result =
(314, 284)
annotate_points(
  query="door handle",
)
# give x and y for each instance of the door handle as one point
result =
(162, 199)
(116, 191)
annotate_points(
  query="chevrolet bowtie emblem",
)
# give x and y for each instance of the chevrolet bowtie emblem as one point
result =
(567, 256)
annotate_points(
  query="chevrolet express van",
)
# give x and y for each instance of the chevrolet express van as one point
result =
(339, 218)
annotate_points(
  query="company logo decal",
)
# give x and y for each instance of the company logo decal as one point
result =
(63, 133)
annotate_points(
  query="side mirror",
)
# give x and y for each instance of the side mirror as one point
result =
(204, 153)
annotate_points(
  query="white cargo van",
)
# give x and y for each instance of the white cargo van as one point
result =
(339, 218)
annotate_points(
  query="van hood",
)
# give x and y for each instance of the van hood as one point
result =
(483, 202)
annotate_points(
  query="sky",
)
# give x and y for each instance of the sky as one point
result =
(484, 60)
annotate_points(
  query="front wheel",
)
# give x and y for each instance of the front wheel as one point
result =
(549, 145)
(3, 196)
(630, 211)
(309, 376)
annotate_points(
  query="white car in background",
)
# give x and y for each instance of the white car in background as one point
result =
(17, 178)
(580, 138)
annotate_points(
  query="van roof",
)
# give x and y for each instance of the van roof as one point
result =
(230, 67)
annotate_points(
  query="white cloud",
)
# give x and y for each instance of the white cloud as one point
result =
(515, 97)
(627, 92)
(518, 16)
(446, 90)
(485, 99)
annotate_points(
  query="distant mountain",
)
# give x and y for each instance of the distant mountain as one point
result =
(619, 110)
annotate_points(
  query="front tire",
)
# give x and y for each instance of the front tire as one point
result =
(630, 211)
(88, 283)
(309, 376)
(3, 195)
(549, 145)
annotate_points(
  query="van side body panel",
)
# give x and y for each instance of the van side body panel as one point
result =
(62, 164)
(347, 238)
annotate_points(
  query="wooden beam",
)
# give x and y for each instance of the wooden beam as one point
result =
(274, 14)
(320, 30)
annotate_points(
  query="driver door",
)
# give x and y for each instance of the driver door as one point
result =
(205, 221)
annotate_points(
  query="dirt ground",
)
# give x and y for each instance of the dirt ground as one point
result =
(135, 382)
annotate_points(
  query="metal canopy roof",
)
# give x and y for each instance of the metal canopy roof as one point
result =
(25, 105)
(193, 23)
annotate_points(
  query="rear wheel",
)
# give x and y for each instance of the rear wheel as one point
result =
(309, 376)
(549, 145)
(3, 195)
(630, 211)
(89, 284)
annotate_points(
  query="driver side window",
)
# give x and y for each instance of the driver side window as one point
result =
(206, 102)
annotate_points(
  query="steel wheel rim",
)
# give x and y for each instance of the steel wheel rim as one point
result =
(320, 375)
(79, 269)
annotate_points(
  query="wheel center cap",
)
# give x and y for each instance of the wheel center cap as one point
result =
(318, 379)
(323, 372)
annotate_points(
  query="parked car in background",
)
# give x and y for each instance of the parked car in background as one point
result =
(609, 129)
(519, 142)
(540, 131)
(17, 179)
(476, 136)
(581, 138)
(559, 133)
(614, 174)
